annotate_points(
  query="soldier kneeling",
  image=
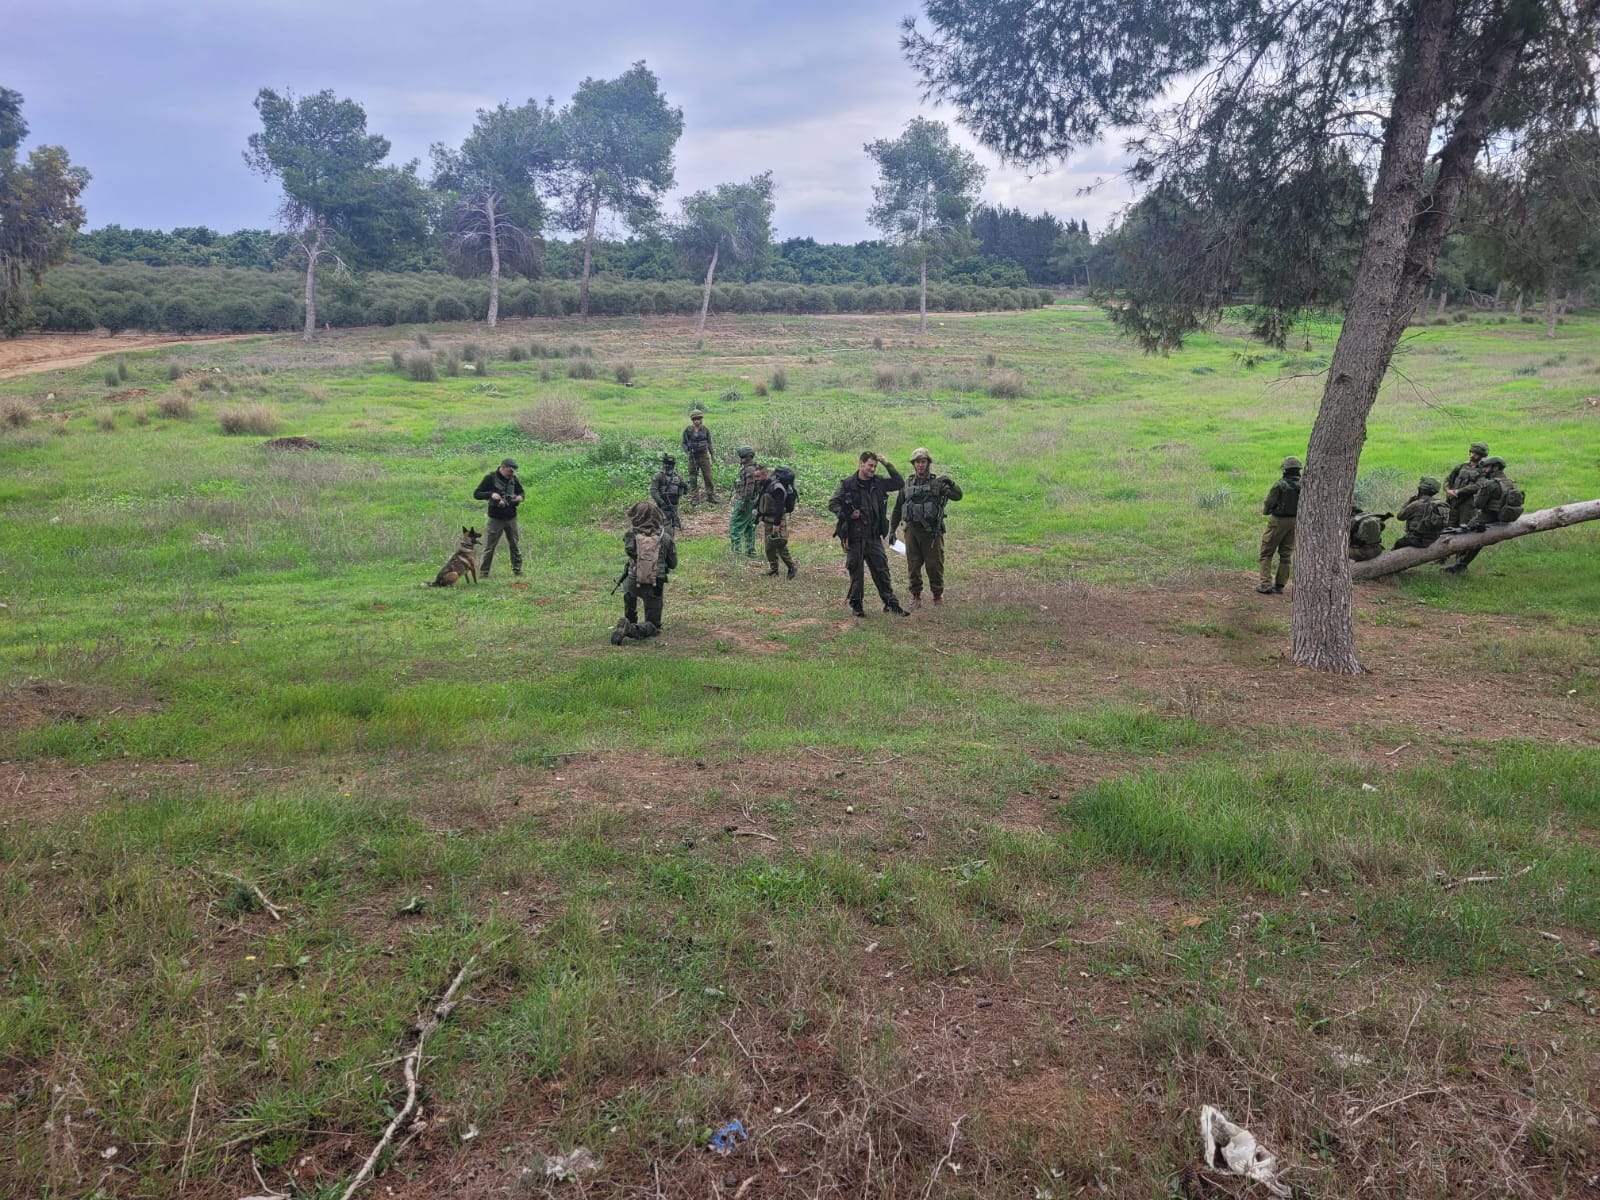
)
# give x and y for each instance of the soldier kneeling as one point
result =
(1366, 534)
(651, 555)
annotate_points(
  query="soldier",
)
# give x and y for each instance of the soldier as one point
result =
(742, 517)
(922, 503)
(1425, 515)
(1462, 482)
(861, 502)
(666, 489)
(1498, 499)
(774, 502)
(651, 555)
(1366, 534)
(697, 450)
(503, 490)
(1283, 503)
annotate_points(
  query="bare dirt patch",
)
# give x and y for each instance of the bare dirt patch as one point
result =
(35, 352)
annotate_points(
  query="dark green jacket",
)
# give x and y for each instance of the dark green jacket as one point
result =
(667, 488)
(869, 497)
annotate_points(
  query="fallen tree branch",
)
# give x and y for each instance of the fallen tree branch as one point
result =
(273, 910)
(1545, 519)
(424, 1027)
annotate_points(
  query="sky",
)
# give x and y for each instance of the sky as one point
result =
(155, 97)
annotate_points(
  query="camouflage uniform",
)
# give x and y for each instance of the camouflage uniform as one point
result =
(697, 450)
(649, 537)
(862, 536)
(1425, 516)
(922, 503)
(772, 507)
(502, 518)
(1281, 507)
(1489, 498)
(1462, 483)
(666, 489)
(1366, 535)
(742, 518)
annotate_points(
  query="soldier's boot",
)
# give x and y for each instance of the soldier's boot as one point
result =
(644, 629)
(938, 597)
(772, 570)
(791, 570)
(857, 611)
(620, 632)
(1455, 568)
(916, 601)
(1264, 588)
(1277, 589)
(892, 605)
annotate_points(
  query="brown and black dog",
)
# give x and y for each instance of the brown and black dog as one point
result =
(463, 562)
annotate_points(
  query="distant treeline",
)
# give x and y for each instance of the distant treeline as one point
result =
(1012, 249)
(189, 299)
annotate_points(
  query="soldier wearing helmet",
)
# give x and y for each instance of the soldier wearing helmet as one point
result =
(1425, 515)
(1281, 508)
(697, 451)
(666, 489)
(1462, 483)
(921, 503)
(1498, 499)
(742, 518)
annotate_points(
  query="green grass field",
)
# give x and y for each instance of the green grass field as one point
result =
(984, 903)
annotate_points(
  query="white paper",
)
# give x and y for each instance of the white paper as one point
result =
(897, 546)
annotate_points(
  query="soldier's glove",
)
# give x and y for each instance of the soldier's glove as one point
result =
(1477, 527)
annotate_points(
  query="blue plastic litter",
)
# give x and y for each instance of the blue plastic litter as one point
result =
(730, 1135)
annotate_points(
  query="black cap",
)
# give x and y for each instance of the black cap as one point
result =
(509, 462)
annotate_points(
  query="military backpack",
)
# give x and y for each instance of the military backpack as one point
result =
(1285, 498)
(1512, 498)
(785, 476)
(1433, 520)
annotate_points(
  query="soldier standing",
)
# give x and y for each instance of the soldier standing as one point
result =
(1425, 515)
(742, 517)
(666, 489)
(1462, 482)
(922, 502)
(697, 450)
(1498, 499)
(861, 503)
(651, 555)
(1283, 503)
(503, 490)
(774, 502)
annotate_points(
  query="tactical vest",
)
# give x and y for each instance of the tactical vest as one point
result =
(1285, 498)
(1462, 476)
(697, 441)
(1512, 499)
(1366, 530)
(923, 504)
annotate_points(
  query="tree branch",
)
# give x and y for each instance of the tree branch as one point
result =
(1535, 522)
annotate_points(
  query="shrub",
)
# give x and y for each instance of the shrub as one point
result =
(281, 312)
(448, 308)
(179, 315)
(847, 429)
(886, 379)
(780, 380)
(175, 405)
(1007, 385)
(624, 373)
(990, 361)
(580, 370)
(111, 379)
(731, 396)
(914, 379)
(141, 415)
(452, 364)
(544, 374)
(397, 360)
(516, 354)
(877, 343)
(555, 419)
(471, 350)
(577, 351)
(241, 316)
(105, 420)
(122, 370)
(1217, 498)
(249, 418)
(423, 340)
(420, 368)
(480, 364)
(16, 413)
(760, 388)
(962, 411)
(1381, 488)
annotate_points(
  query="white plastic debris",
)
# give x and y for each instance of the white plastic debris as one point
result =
(1239, 1151)
(559, 1167)
(1367, 787)
(897, 546)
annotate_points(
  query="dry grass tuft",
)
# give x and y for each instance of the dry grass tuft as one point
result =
(177, 405)
(17, 413)
(555, 419)
(249, 418)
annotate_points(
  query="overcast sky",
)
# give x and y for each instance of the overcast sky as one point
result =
(154, 97)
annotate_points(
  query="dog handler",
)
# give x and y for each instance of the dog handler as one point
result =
(503, 490)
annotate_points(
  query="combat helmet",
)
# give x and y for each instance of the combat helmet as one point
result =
(746, 452)
(921, 452)
(1478, 448)
(1494, 460)
(696, 412)
(1428, 485)
(668, 460)
(1290, 464)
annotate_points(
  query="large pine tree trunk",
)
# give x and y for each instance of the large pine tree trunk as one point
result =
(705, 300)
(1405, 234)
(588, 259)
(494, 261)
(922, 310)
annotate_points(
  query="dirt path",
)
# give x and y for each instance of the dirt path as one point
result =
(35, 352)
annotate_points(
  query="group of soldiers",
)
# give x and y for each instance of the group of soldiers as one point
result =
(766, 496)
(1477, 493)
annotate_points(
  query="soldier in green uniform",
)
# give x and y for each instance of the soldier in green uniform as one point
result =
(666, 489)
(697, 451)
(861, 504)
(742, 518)
(1366, 534)
(921, 503)
(774, 502)
(1462, 482)
(1425, 515)
(1498, 499)
(651, 555)
(1283, 503)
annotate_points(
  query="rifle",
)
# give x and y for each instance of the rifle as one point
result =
(618, 583)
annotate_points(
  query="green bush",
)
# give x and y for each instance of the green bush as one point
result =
(448, 308)
(780, 380)
(580, 369)
(420, 367)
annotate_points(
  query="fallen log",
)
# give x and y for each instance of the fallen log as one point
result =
(1395, 561)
